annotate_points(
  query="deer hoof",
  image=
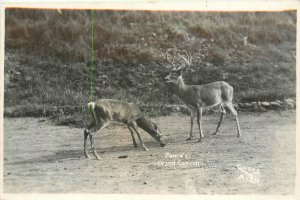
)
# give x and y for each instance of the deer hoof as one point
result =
(190, 138)
(215, 133)
(199, 141)
(86, 155)
(145, 149)
(98, 157)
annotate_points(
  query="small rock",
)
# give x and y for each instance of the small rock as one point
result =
(259, 104)
(177, 108)
(248, 105)
(279, 102)
(242, 105)
(289, 103)
(145, 182)
(253, 104)
(265, 104)
(275, 105)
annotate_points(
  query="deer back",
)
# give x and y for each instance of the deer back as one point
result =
(111, 109)
(205, 95)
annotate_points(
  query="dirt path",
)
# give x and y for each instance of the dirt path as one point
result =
(40, 157)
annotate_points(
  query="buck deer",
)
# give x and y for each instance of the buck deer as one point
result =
(216, 94)
(106, 110)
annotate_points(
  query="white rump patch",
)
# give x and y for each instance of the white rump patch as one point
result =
(91, 104)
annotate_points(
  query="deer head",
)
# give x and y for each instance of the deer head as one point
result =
(180, 60)
(152, 129)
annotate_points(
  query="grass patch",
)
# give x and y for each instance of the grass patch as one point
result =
(129, 57)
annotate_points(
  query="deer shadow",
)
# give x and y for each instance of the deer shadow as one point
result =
(77, 154)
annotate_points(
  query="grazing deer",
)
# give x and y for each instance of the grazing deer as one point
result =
(216, 94)
(106, 110)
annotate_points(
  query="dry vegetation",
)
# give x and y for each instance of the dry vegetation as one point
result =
(52, 53)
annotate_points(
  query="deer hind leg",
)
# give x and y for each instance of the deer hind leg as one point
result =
(134, 126)
(223, 113)
(199, 116)
(233, 111)
(192, 123)
(132, 135)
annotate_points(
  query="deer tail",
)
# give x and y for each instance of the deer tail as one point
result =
(91, 107)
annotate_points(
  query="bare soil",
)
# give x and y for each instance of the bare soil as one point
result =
(42, 158)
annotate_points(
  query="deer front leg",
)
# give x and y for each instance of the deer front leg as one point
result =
(199, 115)
(93, 147)
(192, 123)
(133, 125)
(99, 126)
(133, 139)
(86, 133)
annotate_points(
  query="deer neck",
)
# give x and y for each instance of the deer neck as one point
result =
(180, 87)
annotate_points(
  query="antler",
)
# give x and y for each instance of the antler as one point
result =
(186, 56)
(167, 58)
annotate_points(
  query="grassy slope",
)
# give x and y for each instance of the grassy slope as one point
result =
(52, 52)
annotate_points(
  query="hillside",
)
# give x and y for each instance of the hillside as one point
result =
(50, 51)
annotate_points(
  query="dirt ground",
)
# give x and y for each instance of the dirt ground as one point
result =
(42, 158)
